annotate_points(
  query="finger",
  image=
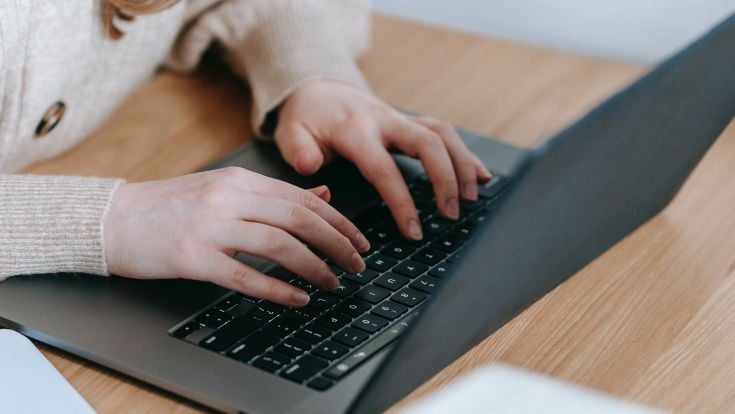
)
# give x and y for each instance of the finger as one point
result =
(483, 174)
(232, 274)
(274, 244)
(304, 224)
(322, 192)
(253, 182)
(462, 159)
(378, 167)
(420, 142)
(299, 148)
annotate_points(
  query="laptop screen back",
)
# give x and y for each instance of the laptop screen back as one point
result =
(576, 196)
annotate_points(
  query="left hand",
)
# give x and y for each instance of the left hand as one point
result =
(324, 118)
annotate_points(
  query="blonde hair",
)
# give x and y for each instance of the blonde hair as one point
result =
(127, 10)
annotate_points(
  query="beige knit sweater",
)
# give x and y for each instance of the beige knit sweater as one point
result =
(54, 51)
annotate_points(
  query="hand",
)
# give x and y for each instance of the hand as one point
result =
(192, 226)
(324, 118)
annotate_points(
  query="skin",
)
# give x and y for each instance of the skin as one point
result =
(192, 226)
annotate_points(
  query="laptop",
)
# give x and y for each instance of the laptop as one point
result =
(546, 214)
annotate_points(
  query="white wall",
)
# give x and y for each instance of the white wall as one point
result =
(628, 30)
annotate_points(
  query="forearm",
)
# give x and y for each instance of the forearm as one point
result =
(53, 224)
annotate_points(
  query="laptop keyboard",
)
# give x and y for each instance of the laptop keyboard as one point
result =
(324, 341)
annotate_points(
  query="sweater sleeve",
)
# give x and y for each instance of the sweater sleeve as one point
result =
(53, 224)
(279, 44)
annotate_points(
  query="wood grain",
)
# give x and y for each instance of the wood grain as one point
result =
(652, 320)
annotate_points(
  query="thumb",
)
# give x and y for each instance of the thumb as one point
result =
(299, 148)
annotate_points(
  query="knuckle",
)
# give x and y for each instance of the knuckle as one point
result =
(432, 140)
(214, 194)
(231, 173)
(308, 200)
(275, 243)
(241, 277)
(445, 128)
(299, 215)
(344, 246)
(357, 123)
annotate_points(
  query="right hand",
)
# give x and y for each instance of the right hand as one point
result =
(192, 226)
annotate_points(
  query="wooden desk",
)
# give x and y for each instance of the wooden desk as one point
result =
(652, 320)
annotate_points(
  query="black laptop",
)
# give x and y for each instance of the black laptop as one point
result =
(418, 305)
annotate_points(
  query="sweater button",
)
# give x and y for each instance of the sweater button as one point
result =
(50, 119)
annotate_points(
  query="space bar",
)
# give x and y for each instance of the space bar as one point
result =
(363, 353)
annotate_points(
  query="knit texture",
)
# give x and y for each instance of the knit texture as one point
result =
(53, 224)
(58, 51)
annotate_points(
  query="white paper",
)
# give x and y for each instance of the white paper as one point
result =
(30, 384)
(501, 389)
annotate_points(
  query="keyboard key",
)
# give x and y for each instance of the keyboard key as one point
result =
(372, 294)
(362, 277)
(371, 217)
(382, 235)
(293, 347)
(227, 335)
(373, 249)
(429, 256)
(399, 249)
(271, 361)
(280, 326)
(304, 368)
(266, 310)
(447, 244)
(441, 270)
(392, 281)
(323, 300)
(380, 262)
(213, 318)
(363, 353)
(304, 285)
(320, 384)
(472, 205)
(282, 274)
(345, 288)
(333, 320)
(313, 334)
(253, 346)
(301, 315)
(370, 323)
(426, 283)
(335, 269)
(350, 337)
(408, 297)
(187, 329)
(463, 230)
(410, 268)
(455, 257)
(480, 216)
(436, 225)
(390, 310)
(227, 303)
(353, 307)
(330, 350)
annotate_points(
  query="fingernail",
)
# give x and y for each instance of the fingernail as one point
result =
(414, 230)
(300, 298)
(358, 265)
(452, 207)
(470, 191)
(487, 174)
(362, 243)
